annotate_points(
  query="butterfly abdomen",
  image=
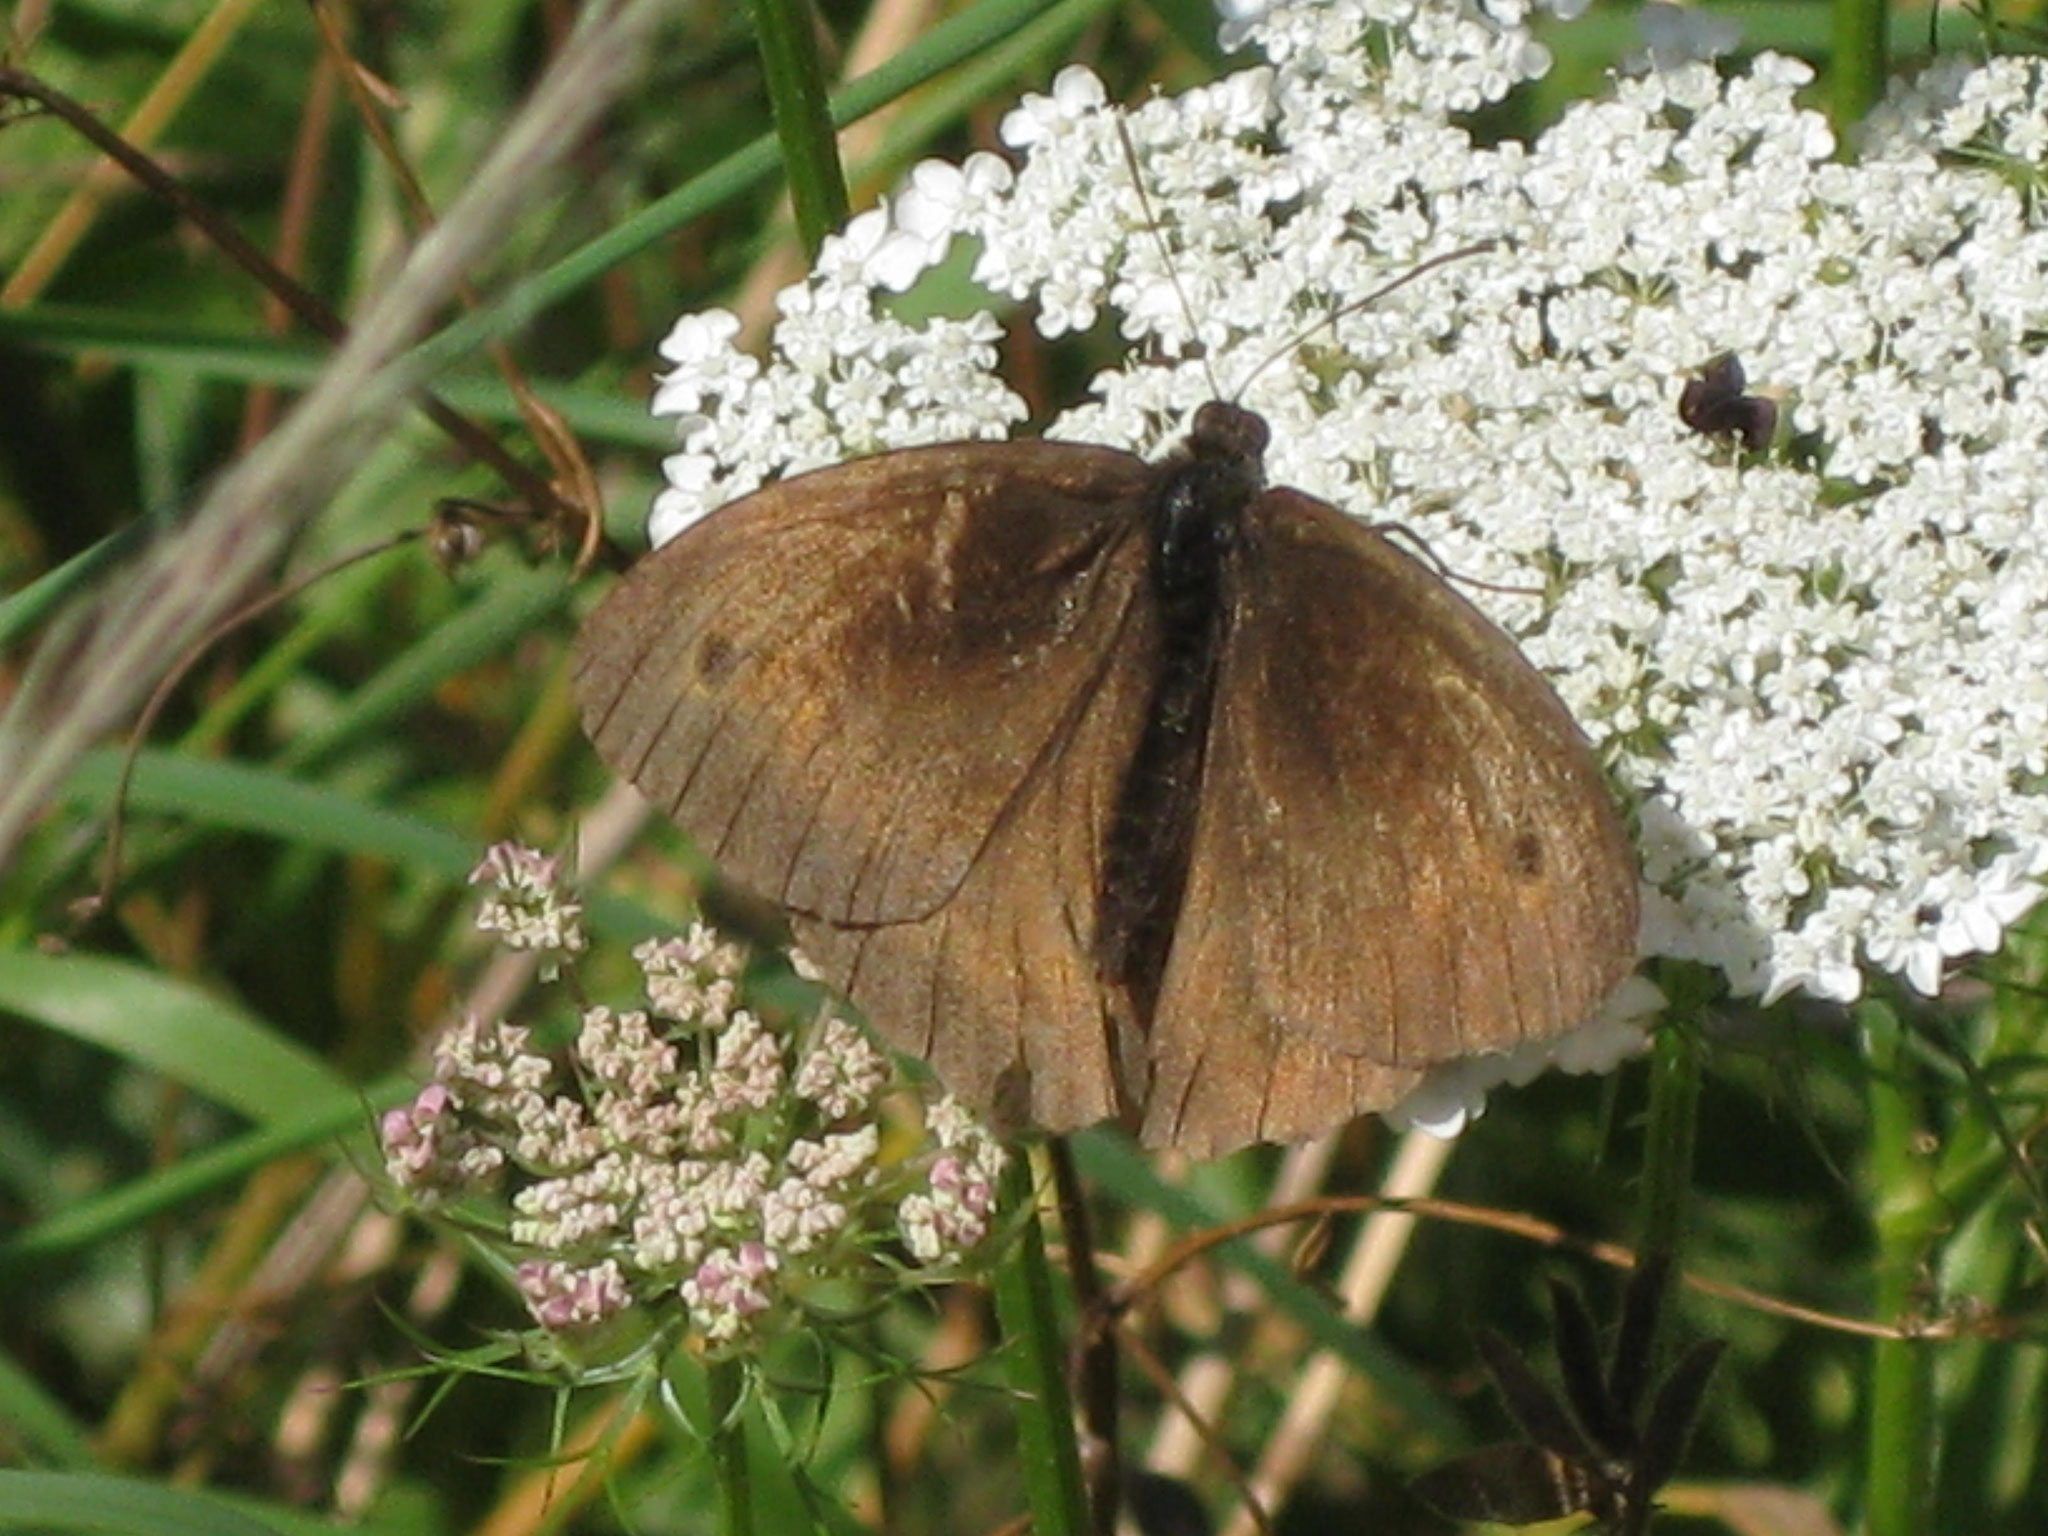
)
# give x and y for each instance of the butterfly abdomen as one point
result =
(1195, 515)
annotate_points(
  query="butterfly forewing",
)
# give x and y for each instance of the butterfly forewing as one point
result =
(839, 685)
(1404, 851)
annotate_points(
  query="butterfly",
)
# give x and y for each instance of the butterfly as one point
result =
(1122, 789)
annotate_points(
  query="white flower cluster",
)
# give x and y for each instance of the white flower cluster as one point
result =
(528, 907)
(1821, 672)
(689, 1157)
(945, 1223)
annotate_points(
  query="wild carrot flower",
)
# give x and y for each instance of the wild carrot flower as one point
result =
(689, 1166)
(1819, 673)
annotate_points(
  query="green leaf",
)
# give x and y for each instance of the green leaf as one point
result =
(170, 1026)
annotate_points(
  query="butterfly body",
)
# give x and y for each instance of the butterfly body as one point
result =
(1116, 788)
(1196, 510)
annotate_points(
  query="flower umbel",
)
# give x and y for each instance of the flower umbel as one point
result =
(699, 1167)
(529, 907)
(1820, 672)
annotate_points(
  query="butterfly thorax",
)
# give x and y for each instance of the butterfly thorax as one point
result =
(1196, 511)
(1199, 502)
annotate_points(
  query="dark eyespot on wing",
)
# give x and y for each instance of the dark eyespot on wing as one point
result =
(715, 659)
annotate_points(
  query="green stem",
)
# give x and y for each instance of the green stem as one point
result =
(795, 79)
(1856, 69)
(1051, 1462)
(728, 1442)
(1670, 1141)
(1899, 1476)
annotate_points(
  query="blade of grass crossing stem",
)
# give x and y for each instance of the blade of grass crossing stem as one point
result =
(951, 42)
(787, 38)
(1047, 1455)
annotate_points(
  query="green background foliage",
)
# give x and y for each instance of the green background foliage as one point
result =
(197, 1292)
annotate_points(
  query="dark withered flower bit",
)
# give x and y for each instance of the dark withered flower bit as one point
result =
(1595, 1457)
(1715, 405)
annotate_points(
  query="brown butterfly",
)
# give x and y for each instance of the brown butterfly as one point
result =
(1116, 788)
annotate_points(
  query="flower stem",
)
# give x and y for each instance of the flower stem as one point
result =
(728, 1445)
(1668, 1147)
(1856, 73)
(1907, 1211)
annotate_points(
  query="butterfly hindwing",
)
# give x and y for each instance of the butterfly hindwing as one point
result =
(897, 697)
(1404, 851)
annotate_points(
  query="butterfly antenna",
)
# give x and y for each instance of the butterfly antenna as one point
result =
(1187, 310)
(1420, 269)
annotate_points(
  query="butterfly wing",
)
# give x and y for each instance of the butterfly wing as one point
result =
(896, 697)
(1405, 852)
